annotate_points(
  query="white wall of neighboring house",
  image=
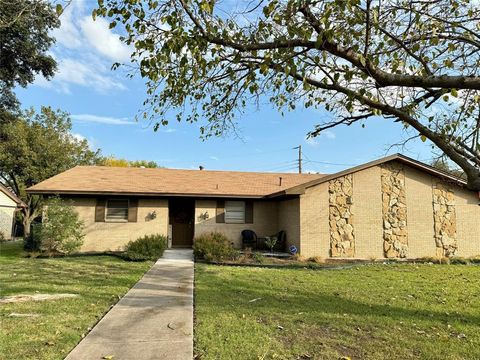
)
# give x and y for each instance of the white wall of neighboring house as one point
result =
(7, 210)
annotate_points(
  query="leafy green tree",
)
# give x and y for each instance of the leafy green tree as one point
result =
(35, 146)
(112, 161)
(61, 230)
(25, 39)
(144, 163)
(413, 62)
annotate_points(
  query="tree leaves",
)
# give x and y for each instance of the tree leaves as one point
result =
(25, 38)
(206, 6)
(206, 65)
(59, 9)
(37, 146)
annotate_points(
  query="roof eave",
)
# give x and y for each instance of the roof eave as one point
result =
(141, 194)
(296, 190)
(12, 196)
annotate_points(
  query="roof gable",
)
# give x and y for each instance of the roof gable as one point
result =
(300, 189)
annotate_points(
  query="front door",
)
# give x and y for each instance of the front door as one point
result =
(181, 215)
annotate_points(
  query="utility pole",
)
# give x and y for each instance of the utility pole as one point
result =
(299, 147)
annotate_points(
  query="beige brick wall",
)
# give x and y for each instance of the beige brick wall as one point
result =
(367, 212)
(305, 219)
(7, 210)
(289, 220)
(418, 186)
(468, 222)
(314, 228)
(265, 220)
(111, 236)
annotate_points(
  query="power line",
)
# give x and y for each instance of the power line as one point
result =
(258, 153)
(325, 162)
(330, 163)
(281, 168)
(272, 167)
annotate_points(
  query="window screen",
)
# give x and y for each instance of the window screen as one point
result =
(117, 210)
(235, 212)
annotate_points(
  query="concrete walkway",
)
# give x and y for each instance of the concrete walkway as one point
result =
(154, 320)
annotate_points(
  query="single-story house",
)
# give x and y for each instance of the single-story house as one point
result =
(9, 203)
(394, 207)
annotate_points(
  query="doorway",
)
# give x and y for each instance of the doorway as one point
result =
(181, 217)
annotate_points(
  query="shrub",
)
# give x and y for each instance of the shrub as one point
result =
(2, 237)
(148, 247)
(459, 260)
(474, 259)
(299, 258)
(61, 230)
(245, 256)
(435, 260)
(317, 259)
(31, 243)
(214, 246)
(258, 257)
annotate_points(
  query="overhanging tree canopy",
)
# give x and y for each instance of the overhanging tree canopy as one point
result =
(412, 61)
(36, 146)
(25, 39)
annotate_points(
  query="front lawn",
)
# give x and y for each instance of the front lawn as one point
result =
(57, 325)
(402, 311)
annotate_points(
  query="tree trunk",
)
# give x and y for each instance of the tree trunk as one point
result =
(27, 222)
(473, 182)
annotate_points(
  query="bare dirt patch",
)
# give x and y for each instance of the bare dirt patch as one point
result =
(34, 297)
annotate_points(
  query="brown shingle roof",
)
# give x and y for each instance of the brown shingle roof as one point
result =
(151, 182)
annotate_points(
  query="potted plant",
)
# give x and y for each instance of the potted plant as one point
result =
(270, 242)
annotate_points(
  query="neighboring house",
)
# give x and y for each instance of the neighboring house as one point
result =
(9, 203)
(393, 207)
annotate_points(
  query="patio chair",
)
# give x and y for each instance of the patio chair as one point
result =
(281, 241)
(249, 239)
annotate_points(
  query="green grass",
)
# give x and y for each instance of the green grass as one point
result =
(401, 311)
(98, 280)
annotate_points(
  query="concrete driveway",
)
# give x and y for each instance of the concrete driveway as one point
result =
(154, 320)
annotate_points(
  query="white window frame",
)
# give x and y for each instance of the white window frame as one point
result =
(235, 212)
(107, 219)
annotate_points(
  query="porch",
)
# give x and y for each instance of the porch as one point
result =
(190, 217)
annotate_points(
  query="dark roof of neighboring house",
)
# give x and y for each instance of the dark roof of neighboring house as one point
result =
(300, 189)
(102, 180)
(12, 196)
(96, 180)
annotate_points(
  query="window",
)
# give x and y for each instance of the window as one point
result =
(235, 212)
(117, 210)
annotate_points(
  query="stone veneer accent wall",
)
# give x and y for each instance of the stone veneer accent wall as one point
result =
(342, 234)
(445, 221)
(394, 208)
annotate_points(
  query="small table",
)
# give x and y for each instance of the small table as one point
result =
(260, 242)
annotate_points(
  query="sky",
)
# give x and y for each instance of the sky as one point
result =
(103, 104)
